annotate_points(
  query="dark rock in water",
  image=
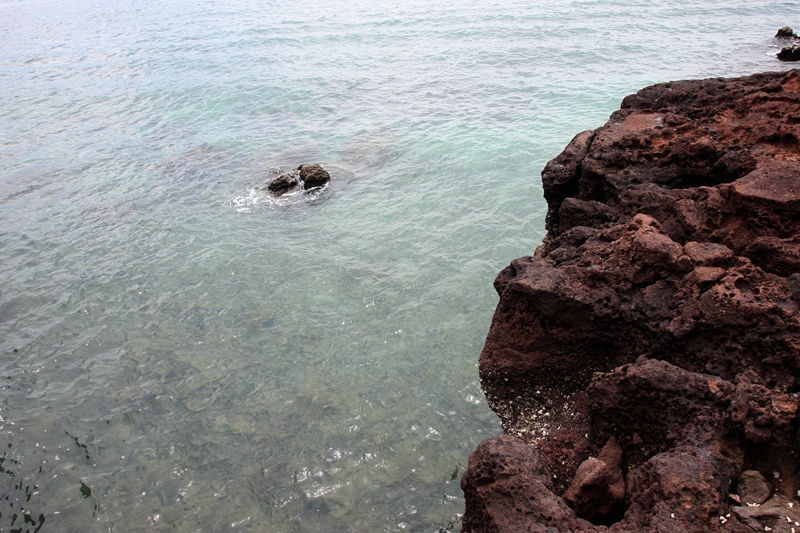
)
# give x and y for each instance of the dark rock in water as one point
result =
(786, 33)
(313, 176)
(662, 312)
(282, 184)
(306, 176)
(789, 53)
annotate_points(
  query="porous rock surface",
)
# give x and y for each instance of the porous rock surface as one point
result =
(658, 326)
(281, 184)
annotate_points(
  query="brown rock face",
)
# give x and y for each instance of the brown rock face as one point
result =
(753, 488)
(598, 488)
(662, 314)
(512, 491)
(313, 175)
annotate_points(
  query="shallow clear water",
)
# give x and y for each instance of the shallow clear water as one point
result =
(182, 353)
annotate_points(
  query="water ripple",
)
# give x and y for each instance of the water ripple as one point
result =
(198, 354)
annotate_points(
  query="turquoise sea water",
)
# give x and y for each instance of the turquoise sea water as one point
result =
(179, 351)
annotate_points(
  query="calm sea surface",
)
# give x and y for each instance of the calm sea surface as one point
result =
(181, 352)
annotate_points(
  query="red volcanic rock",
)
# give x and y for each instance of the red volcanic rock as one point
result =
(651, 406)
(680, 490)
(512, 492)
(779, 515)
(598, 488)
(662, 312)
(753, 488)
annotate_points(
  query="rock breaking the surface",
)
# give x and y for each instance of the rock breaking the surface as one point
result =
(645, 361)
(791, 52)
(305, 177)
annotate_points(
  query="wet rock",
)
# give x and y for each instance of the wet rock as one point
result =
(306, 176)
(789, 53)
(753, 488)
(313, 176)
(282, 184)
(786, 33)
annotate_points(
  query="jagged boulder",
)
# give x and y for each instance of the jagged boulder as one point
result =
(662, 312)
(512, 491)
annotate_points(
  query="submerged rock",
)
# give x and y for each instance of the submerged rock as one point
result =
(661, 313)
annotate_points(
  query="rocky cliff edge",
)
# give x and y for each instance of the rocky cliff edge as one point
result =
(645, 362)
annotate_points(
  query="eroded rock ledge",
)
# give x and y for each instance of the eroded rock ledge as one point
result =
(646, 361)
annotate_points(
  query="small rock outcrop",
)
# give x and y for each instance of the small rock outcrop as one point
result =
(281, 184)
(789, 53)
(313, 176)
(645, 361)
(305, 177)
